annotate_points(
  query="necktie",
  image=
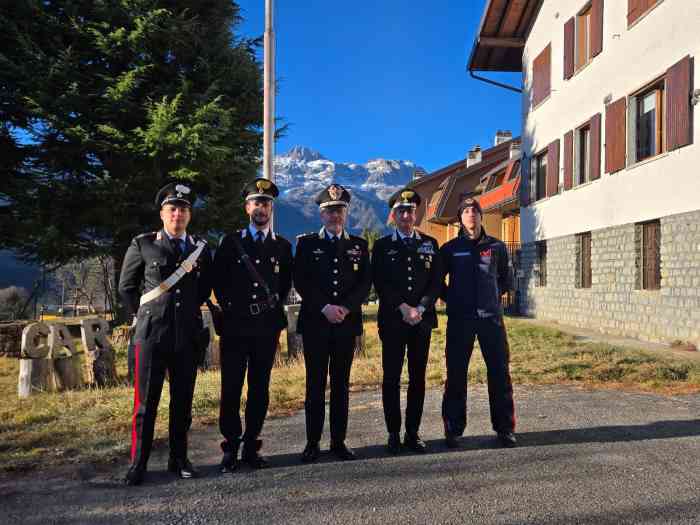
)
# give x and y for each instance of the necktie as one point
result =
(259, 238)
(333, 239)
(178, 246)
(408, 241)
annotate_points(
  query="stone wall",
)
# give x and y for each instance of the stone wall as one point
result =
(615, 304)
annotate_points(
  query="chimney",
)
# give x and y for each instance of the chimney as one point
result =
(474, 156)
(503, 136)
(514, 150)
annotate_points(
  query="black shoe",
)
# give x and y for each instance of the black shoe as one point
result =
(229, 463)
(311, 453)
(415, 443)
(394, 443)
(451, 441)
(507, 439)
(182, 468)
(250, 454)
(342, 452)
(135, 475)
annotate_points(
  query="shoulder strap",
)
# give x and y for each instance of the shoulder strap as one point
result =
(252, 270)
(184, 268)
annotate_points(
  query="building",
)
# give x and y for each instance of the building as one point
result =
(482, 171)
(610, 198)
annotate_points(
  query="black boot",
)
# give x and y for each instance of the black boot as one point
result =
(311, 453)
(415, 443)
(507, 439)
(451, 440)
(229, 463)
(394, 443)
(342, 451)
(182, 468)
(135, 475)
(251, 456)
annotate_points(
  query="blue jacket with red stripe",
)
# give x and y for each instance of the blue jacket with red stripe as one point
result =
(479, 273)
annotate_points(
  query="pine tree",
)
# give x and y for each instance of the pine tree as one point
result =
(103, 102)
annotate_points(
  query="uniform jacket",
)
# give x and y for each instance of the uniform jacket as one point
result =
(176, 315)
(403, 274)
(327, 273)
(236, 290)
(479, 273)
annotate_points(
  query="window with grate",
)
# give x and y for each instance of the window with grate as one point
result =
(541, 268)
(584, 274)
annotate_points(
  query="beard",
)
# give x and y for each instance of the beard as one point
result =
(260, 220)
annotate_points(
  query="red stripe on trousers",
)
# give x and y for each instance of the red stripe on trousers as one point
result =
(137, 403)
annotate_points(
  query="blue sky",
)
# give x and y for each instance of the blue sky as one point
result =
(387, 78)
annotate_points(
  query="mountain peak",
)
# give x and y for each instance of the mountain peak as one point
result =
(303, 153)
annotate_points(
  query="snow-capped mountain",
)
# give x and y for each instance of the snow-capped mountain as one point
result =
(302, 173)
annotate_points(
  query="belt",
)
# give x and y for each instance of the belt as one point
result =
(258, 308)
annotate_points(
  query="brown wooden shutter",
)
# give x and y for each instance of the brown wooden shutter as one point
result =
(569, 160)
(569, 32)
(615, 135)
(525, 182)
(542, 72)
(595, 146)
(553, 168)
(597, 8)
(678, 86)
(651, 256)
(634, 10)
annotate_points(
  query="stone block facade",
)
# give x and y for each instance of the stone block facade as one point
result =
(615, 303)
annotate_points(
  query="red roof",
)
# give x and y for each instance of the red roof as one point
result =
(506, 192)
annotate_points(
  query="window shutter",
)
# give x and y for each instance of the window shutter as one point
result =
(595, 146)
(678, 88)
(597, 8)
(569, 160)
(569, 33)
(541, 80)
(525, 182)
(634, 10)
(553, 168)
(615, 135)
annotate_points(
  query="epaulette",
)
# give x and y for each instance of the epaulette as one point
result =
(305, 235)
(144, 235)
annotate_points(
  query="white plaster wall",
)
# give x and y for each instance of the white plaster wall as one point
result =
(631, 58)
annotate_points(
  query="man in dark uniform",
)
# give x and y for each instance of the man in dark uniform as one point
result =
(407, 276)
(477, 265)
(174, 269)
(252, 298)
(332, 274)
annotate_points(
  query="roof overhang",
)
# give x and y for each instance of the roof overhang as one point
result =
(500, 40)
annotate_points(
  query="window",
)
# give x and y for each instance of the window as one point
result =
(637, 8)
(539, 176)
(541, 264)
(583, 157)
(583, 37)
(584, 276)
(649, 122)
(648, 257)
(542, 76)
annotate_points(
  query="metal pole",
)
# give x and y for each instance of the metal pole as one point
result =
(269, 94)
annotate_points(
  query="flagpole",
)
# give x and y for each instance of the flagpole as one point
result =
(269, 94)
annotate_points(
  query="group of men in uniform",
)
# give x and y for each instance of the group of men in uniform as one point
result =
(167, 275)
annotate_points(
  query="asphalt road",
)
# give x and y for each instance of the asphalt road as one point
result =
(584, 457)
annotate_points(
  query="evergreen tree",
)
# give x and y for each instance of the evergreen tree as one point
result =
(103, 102)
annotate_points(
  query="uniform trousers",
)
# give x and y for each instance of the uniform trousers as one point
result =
(256, 354)
(152, 360)
(461, 334)
(398, 342)
(325, 353)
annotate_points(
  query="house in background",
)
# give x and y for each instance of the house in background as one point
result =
(481, 171)
(610, 191)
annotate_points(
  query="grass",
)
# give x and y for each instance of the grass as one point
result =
(92, 425)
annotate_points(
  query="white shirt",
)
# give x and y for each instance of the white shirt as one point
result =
(182, 236)
(402, 236)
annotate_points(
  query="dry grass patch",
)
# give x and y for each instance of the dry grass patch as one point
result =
(93, 425)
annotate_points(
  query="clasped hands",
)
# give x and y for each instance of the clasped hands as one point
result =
(411, 315)
(335, 313)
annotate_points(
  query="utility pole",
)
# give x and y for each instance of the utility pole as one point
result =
(269, 95)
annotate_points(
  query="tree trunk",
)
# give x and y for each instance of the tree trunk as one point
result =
(295, 346)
